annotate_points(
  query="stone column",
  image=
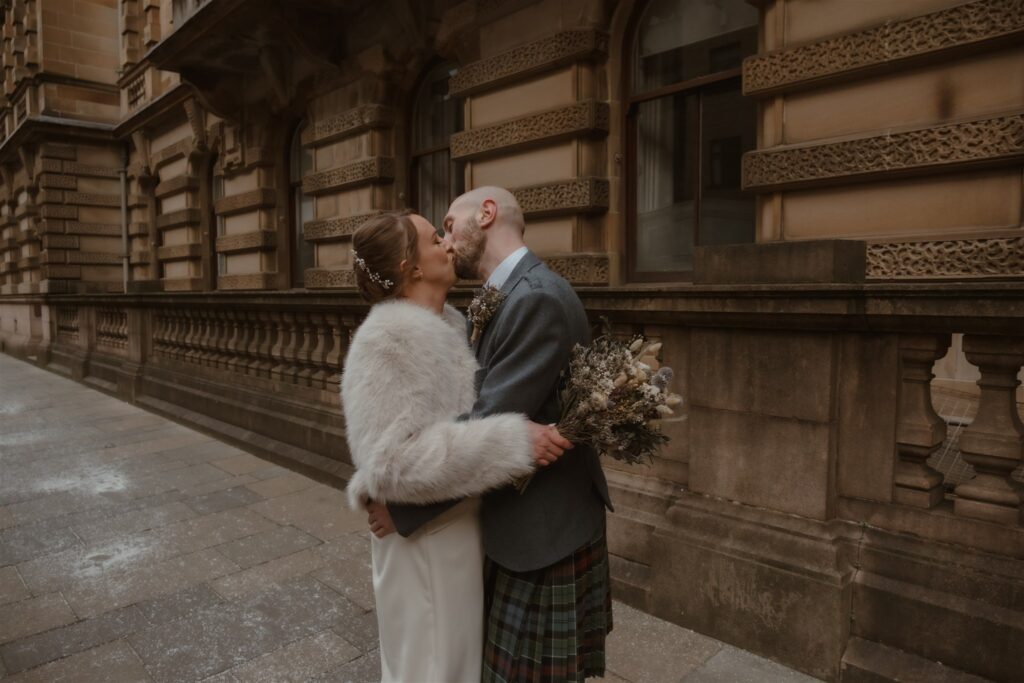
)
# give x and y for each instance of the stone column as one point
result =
(994, 441)
(919, 431)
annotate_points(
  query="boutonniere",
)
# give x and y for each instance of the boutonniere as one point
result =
(482, 308)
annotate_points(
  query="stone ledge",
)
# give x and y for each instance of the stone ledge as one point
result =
(372, 170)
(816, 261)
(250, 281)
(174, 219)
(337, 228)
(177, 150)
(576, 120)
(183, 284)
(175, 185)
(94, 258)
(112, 201)
(95, 229)
(983, 257)
(60, 242)
(581, 269)
(90, 170)
(179, 252)
(54, 272)
(58, 181)
(527, 60)
(348, 123)
(263, 197)
(988, 141)
(970, 25)
(248, 241)
(324, 278)
(579, 195)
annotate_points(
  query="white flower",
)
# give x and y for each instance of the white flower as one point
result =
(664, 410)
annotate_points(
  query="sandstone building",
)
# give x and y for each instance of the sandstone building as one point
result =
(817, 206)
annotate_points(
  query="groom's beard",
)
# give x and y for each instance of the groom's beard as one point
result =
(469, 253)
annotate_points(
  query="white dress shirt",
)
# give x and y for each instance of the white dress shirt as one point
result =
(505, 268)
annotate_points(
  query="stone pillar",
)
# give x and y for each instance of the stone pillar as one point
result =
(994, 441)
(919, 431)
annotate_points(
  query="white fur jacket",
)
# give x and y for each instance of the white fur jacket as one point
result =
(408, 374)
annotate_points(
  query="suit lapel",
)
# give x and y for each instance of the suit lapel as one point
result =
(526, 263)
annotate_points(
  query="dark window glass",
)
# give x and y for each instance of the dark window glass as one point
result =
(436, 180)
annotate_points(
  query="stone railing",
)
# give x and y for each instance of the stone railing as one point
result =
(112, 328)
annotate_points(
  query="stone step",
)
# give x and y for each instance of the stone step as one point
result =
(866, 661)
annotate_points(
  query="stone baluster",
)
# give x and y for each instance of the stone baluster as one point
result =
(202, 334)
(182, 336)
(291, 352)
(170, 323)
(304, 368)
(248, 334)
(920, 431)
(266, 360)
(220, 338)
(122, 328)
(994, 441)
(277, 351)
(253, 350)
(232, 343)
(318, 354)
(191, 335)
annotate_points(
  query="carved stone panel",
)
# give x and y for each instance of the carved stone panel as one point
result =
(348, 123)
(93, 199)
(250, 281)
(248, 241)
(323, 278)
(93, 258)
(963, 26)
(580, 195)
(526, 60)
(337, 228)
(99, 229)
(581, 269)
(171, 152)
(61, 272)
(179, 252)
(176, 185)
(247, 201)
(178, 218)
(993, 140)
(578, 119)
(1003, 256)
(374, 169)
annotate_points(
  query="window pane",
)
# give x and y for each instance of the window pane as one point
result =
(301, 161)
(682, 39)
(433, 192)
(436, 115)
(302, 257)
(728, 125)
(666, 155)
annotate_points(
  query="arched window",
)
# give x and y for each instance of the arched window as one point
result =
(300, 162)
(688, 126)
(436, 181)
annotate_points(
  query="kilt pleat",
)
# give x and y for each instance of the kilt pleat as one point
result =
(549, 624)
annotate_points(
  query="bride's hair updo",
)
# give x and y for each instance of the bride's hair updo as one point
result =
(379, 246)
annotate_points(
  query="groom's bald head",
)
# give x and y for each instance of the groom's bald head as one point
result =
(508, 214)
(482, 226)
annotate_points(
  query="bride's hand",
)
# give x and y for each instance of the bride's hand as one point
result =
(548, 444)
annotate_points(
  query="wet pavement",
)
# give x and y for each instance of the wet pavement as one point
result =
(135, 549)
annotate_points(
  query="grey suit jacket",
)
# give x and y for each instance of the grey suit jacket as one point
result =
(522, 354)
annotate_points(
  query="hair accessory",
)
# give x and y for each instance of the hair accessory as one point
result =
(386, 284)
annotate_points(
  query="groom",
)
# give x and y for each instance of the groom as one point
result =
(548, 601)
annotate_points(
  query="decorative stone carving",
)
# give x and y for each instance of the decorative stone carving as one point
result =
(89, 170)
(60, 242)
(348, 123)
(58, 211)
(247, 201)
(58, 182)
(958, 27)
(168, 154)
(996, 139)
(250, 281)
(175, 185)
(1003, 256)
(179, 252)
(98, 229)
(55, 150)
(524, 61)
(53, 272)
(92, 199)
(139, 258)
(580, 195)
(334, 228)
(138, 229)
(581, 269)
(574, 120)
(197, 120)
(182, 284)
(248, 241)
(178, 218)
(93, 258)
(323, 278)
(374, 169)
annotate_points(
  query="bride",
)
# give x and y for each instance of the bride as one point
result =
(409, 373)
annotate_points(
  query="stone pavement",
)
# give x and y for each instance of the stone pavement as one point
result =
(135, 549)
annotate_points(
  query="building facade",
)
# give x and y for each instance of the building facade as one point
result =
(816, 205)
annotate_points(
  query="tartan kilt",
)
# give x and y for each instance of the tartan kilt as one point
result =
(548, 624)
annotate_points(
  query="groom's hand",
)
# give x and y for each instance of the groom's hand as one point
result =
(548, 444)
(379, 519)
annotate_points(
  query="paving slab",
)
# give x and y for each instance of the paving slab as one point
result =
(181, 604)
(241, 464)
(33, 615)
(267, 545)
(223, 500)
(299, 661)
(732, 665)
(263, 576)
(320, 511)
(12, 588)
(281, 485)
(134, 521)
(645, 649)
(111, 662)
(365, 669)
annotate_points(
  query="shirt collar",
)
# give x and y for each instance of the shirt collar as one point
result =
(505, 268)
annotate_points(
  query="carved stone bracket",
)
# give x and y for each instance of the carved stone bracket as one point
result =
(329, 229)
(581, 269)
(375, 169)
(324, 278)
(582, 118)
(524, 61)
(985, 141)
(248, 241)
(580, 195)
(250, 281)
(247, 201)
(967, 26)
(348, 123)
(996, 256)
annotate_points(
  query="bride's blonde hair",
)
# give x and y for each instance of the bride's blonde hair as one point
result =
(379, 246)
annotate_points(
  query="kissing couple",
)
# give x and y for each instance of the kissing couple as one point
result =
(483, 581)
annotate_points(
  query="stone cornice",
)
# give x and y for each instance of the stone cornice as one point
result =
(337, 228)
(527, 60)
(348, 123)
(247, 201)
(579, 195)
(372, 170)
(250, 281)
(578, 119)
(986, 257)
(581, 269)
(981, 142)
(247, 241)
(969, 26)
(179, 252)
(323, 278)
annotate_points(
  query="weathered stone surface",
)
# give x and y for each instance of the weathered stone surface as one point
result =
(242, 464)
(111, 662)
(34, 615)
(264, 576)
(223, 500)
(648, 650)
(731, 665)
(12, 588)
(322, 512)
(280, 485)
(781, 262)
(182, 604)
(134, 521)
(269, 545)
(302, 660)
(365, 669)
